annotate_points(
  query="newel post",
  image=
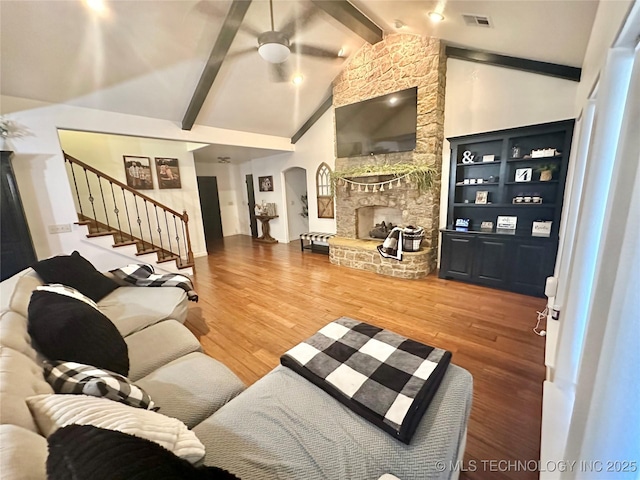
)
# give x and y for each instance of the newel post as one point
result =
(185, 219)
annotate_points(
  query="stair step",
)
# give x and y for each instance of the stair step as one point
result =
(185, 264)
(83, 222)
(122, 244)
(102, 234)
(168, 259)
(144, 252)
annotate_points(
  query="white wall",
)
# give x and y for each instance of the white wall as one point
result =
(41, 174)
(105, 153)
(609, 17)
(230, 185)
(296, 186)
(482, 98)
(315, 147)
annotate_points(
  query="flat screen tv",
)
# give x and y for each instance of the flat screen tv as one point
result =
(379, 125)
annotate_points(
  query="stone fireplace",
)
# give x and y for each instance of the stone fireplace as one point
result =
(398, 62)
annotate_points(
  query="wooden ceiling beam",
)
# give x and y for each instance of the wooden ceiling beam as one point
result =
(352, 18)
(313, 119)
(543, 68)
(228, 32)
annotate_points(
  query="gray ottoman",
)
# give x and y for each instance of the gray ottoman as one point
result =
(284, 427)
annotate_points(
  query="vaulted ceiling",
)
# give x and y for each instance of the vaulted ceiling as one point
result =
(145, 57)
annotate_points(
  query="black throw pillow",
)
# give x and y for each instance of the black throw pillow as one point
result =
(81, 452)
(77, 272)
(64, 328)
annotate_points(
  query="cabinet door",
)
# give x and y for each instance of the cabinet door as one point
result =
(17, 248)
(533, 262)
(492, 261)
(457, 256)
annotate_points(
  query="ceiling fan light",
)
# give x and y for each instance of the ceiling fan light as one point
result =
(435, 17)
(273, 47)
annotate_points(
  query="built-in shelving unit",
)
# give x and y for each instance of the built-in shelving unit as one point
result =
(508, 165)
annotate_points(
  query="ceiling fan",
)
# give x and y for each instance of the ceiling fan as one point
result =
(275, 46)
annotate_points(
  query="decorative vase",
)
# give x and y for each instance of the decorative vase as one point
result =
(546, 175)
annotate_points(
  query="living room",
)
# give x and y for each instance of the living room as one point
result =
(478, 98)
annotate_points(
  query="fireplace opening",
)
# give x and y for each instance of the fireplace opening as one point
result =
(367, 218)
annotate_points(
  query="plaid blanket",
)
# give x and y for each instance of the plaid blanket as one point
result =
(141, 275)
(384, 377)
(392, 245)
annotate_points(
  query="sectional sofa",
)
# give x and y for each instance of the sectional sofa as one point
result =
(282, 427)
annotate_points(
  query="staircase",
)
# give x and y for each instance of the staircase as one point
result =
(109, 208)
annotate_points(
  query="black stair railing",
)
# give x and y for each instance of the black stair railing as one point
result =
(129, 221)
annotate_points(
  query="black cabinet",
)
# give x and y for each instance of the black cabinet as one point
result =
(515, 177)
(17, 249)
(458, 262)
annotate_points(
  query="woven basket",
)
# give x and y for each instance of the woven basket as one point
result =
(412, 238)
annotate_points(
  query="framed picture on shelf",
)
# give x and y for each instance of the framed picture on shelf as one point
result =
(482, 196)
(523, 174)
(486, 226)
(507, 222)
(138, 172)
(462, 224)
(265, 184)
(168, 172)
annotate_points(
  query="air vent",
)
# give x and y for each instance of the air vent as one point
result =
(477, 20)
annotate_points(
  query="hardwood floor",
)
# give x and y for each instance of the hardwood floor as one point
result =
(257, 301)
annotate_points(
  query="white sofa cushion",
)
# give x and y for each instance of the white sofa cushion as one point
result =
(55, 411)
(158, 345)
(14, 334)
(20, 286)
(23, 454)
(20, 377)
(133, 308)
(192, 387)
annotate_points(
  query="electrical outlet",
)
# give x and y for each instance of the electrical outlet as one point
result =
(63, 228)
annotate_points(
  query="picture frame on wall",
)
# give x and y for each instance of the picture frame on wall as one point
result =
(168, 172)
(138, 172)
(265, 184)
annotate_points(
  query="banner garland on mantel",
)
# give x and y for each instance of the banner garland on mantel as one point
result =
(421, 175)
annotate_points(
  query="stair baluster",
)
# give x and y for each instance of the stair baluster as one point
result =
(168, 232)
(75, 184)
(91, 201)
(126, 207)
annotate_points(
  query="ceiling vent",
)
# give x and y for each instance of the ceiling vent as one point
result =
(477, 20)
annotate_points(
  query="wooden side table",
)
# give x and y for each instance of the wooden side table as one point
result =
(266, 229)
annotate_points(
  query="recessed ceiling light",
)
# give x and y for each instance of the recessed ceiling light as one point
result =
(399, 23)
(435, 17)
(297, 80)
(341, 52)
(393, 100)
(96, 5)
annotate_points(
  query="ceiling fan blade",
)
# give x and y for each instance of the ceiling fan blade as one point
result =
(279, 72)
(242, 52)
(299, 22)
(215, 9)
(313, 51)
(250, 30)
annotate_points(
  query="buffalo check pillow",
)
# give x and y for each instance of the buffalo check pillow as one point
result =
(78, 378)
(388, 379)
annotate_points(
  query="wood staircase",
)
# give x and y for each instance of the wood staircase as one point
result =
(123, 213)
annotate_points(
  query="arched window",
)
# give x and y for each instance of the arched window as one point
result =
(323, 191)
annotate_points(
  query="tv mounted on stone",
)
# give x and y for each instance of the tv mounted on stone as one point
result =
(379, 125)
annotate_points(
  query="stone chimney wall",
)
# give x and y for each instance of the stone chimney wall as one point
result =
(398, 62)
